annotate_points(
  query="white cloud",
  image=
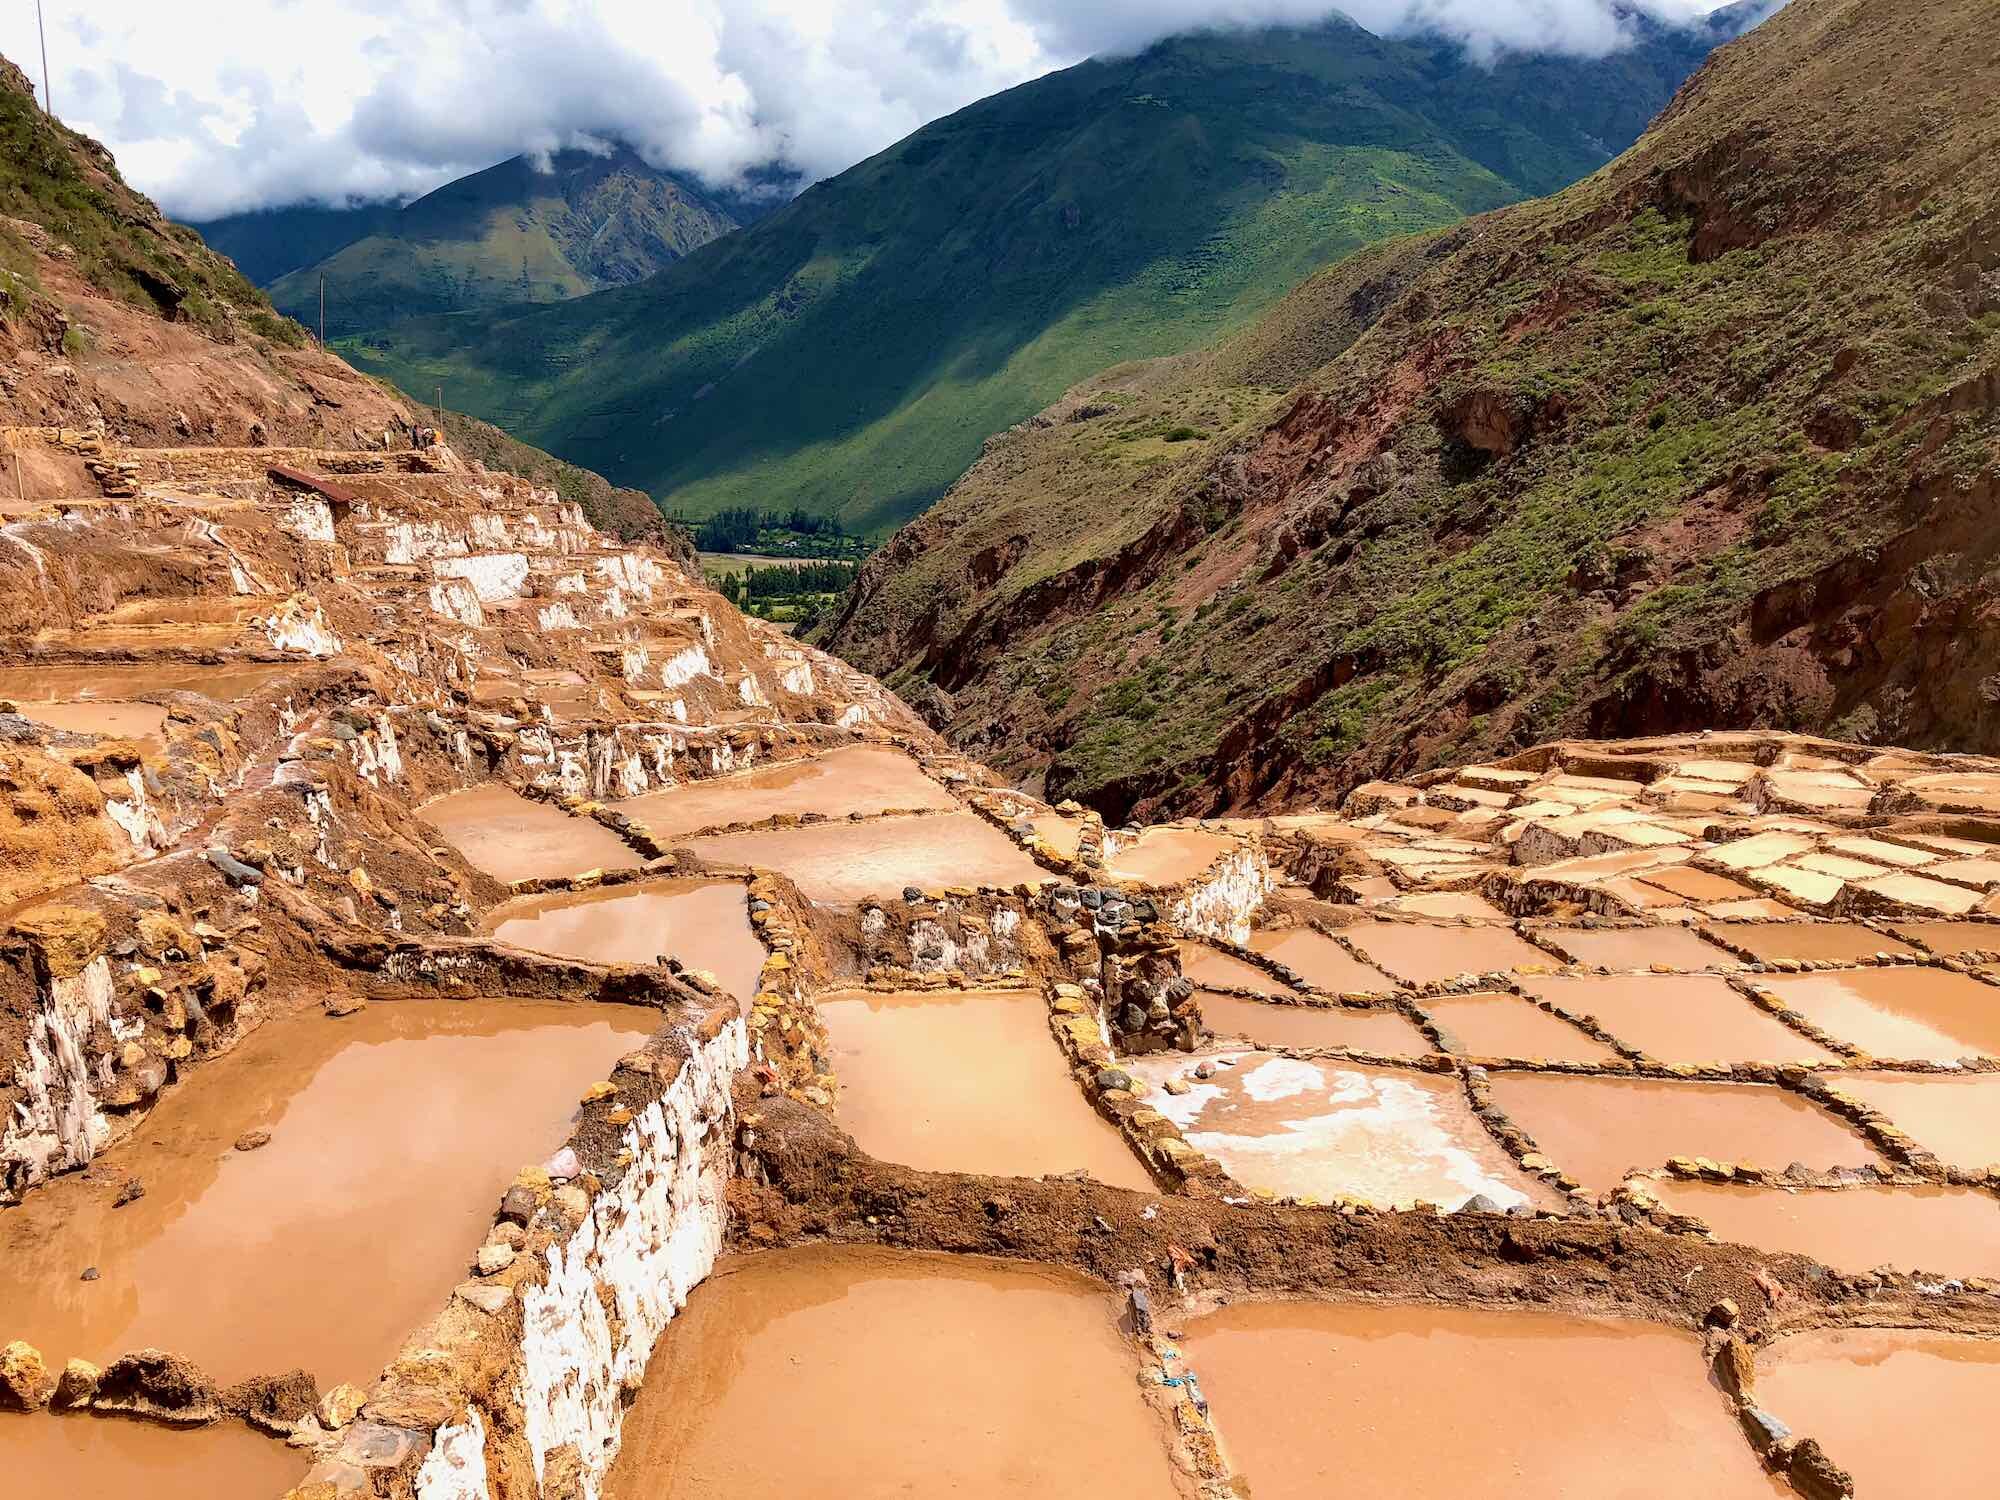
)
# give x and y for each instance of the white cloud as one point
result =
(217, 105)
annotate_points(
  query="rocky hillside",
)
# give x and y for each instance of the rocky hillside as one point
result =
(112, 317)
(851, 352)
(1708, 439)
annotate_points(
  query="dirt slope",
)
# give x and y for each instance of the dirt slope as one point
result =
(1707, 439)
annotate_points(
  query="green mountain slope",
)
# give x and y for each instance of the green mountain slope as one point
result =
(510, 234)
(1710, 439)
(267, 242)
(850, 353)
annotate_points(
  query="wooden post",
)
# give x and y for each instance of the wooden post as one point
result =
(48, 107)
(440, 391)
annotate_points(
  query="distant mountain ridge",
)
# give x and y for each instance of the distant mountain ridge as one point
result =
(524, 230)
(1710, 439)
(852, 352)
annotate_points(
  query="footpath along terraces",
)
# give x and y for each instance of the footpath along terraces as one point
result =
(479, 1017)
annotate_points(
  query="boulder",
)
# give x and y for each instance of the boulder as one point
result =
(341, 1405)
(77, 1387)
(25, 1381)
(274, 1403)
(160, 1387)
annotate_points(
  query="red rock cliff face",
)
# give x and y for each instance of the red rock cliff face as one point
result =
(1711, 438)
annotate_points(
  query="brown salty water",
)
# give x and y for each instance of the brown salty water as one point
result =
(1679, 1018)
(1168, 856)
(1598, 1129)
(703, 923)
(123, 680)
(112, 718)
(1950, 1231)
(1622, 948)
(411, 1116)
(93, 1458)
(967, 1081)
(512, 837)
(1320, 961)
(1425, 1403)
(1205, 965)
(851, 779)
(1508, 1026)
(1955, 1118)
(1424, 954)
(868, 1375)
(1906, 1413)
(1820, 942)
(1384, 1031)
(1903, 1013)
(848, 862)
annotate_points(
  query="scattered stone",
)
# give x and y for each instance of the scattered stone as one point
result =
(564, 1164)
(131, 1192)
(25, 1381)
(90, 1273)
(1724, 1314)
(495, 1258)
(338, 1005)
(599, 1091)
(274, 1404)
(488, 1296)
(160, 1387)
(253, 1140)
(1479, 1203)
(77, 1387)
(340, 1406)
(518, 1204)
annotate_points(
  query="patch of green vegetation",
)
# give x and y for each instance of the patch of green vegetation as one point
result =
(851, 353)
(69, 186)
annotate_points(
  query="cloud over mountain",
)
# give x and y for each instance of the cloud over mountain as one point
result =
(284, 101)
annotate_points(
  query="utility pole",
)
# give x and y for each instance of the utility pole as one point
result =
(322, 312)
(43, 32)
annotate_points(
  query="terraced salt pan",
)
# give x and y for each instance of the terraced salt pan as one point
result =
(1167, 856)
(1950, 939)
(102, 699)
(1679, 1018)
(899, 1375)
(848, 862)
(512, 837)
(87, 1457)
(1508, 1026)
(1625, 948)
(1205, 965)
(703, 923)
(1903, 1013)
(1315, 1399)
(1384, 1031)
(967, 1081)
(1426, 955)
(1328, 1130)
(393, 1133)
(851, 779)
(1598, 1129)
(1953, 1232)
(1904, 1412)
(1320, 961)
(1816, 942)
(1956, 1117)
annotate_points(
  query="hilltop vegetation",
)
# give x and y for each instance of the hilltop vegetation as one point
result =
(851, 353)
(1707, 439)
(520, 232)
